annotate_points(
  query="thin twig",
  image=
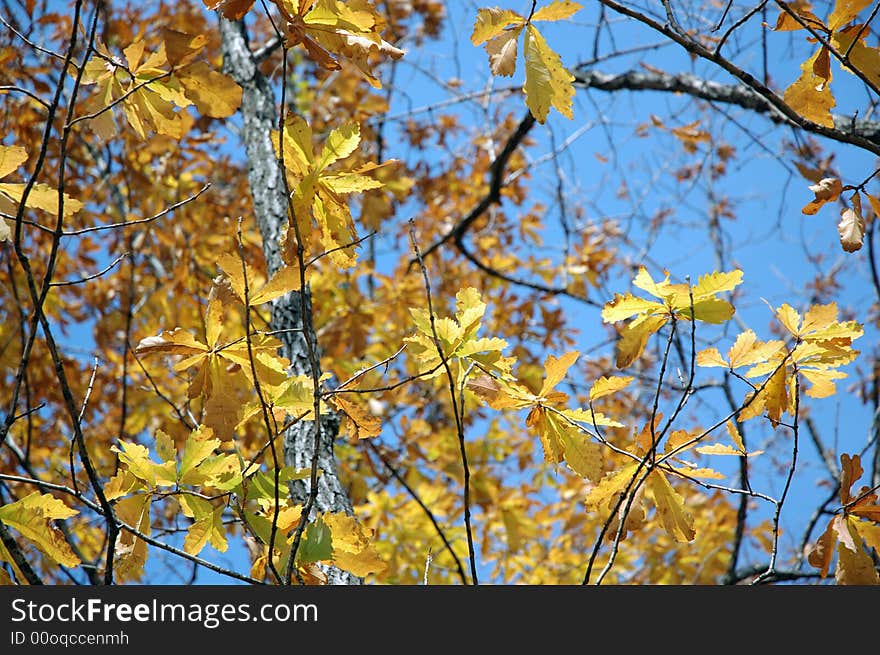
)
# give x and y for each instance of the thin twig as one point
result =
(397, 476)
(458, 422)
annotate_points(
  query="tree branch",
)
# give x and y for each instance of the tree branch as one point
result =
(732, 94)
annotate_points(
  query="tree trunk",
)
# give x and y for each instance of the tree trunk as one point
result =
(259, 118)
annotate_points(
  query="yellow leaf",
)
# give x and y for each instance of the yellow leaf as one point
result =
(698, 472)
(852, 226)
(549, 431)
(854, 565)
(634, 338)
(610, 487)
(132, 551)
(491, 22)
(605, 386)
(557, 10)
(775, 395)
(582, 456)
(11, 157)
(710, 357)
(626, 305)
(662, 289)
(713, 310)
(676, 519)
(850, 471)
(810, 95)
(875, 204)
(821, 381)
(735, 436)
(595, 418)
(41, 196)
(165, 448)
(819, 317)
(556, 369)
(844, 12)
(176, 342)
(207, 528)
(353, 550)
(285, 280)
(213, 93)
(547, 84)
(711, 283)
(137, 459)
(341, 143)
(718, 449)
(785, 23)
(789, 318)
(121, 484)
(32, 516)
(870, 532)
(199, 446)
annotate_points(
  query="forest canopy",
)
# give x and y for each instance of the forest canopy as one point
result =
(415, 292)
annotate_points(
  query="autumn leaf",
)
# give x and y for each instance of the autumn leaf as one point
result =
(231, 9)
(353, 548)
(844, 12)
(319, 191)
(207, 526)
(457, 339)
(361, 423)
(801, 8)
(697, 302)
(861, 57)
(827, 190)
(218, 360)
(848, 532)
(32, 516)
(41, 196)
(547, 84)
(810, 95)
(606, 386)
(676, 519)
(283, 281)
(132, 551)
(332, 31)
(852, 226)
(152, 87)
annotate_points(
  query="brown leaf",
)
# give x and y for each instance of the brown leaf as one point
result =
(502, 53)
(231, 9)
(827, 190)
(852, 226)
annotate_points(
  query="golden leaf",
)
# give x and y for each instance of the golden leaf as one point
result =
(676, 519)
(605, 386)
(810, 95)
(32, 516)
(548, 83)
(353, 550)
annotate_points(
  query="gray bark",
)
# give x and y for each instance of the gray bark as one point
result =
(259, 117)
